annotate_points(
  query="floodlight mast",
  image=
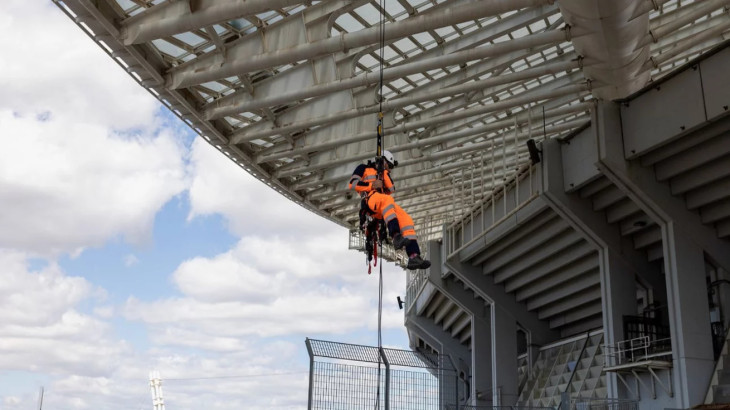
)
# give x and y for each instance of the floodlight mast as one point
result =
(158, 403)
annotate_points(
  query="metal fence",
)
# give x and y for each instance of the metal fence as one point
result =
(515, 407)
(347, 376)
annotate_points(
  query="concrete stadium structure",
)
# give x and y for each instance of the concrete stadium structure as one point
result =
(594, 267)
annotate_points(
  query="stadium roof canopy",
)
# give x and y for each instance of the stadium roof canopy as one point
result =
(289, 89)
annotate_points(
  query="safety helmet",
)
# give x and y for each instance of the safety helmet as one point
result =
(388, 156)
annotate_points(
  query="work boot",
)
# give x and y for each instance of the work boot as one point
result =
(416, 262)
(399, 241)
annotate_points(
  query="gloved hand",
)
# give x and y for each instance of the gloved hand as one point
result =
(377, 184)
(369, 249)
(363, 219)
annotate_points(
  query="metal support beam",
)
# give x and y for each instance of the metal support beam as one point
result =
(174, 17)
(240, 102)
(566, 126)
(239, 59)
(400, 102)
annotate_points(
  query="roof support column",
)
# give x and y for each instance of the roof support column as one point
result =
(620, 264)
(482, 363)
(504, 358)
(484, 286)
(495, 343)
(494, 351)
(689, 316)
(684, 239)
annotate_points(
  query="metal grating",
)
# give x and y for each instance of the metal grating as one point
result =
(345, 386)
(344, 351)
(409, 358)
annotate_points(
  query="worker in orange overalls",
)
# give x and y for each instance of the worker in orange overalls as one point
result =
(378, 202)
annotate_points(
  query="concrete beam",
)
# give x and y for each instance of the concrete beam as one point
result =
(590, 224)
(536, 262)
(639, 183)
(494, 329)
(685, 241)
(573, 272)
(484, 287)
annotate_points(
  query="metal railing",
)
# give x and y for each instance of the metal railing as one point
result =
(503, 201)
(638, 349)
(523, 370)
(357, 242)
(603, 404)
(416, 281)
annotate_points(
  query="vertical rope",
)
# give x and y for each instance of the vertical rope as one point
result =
(382, 54)
(379, 157)
(380, 321)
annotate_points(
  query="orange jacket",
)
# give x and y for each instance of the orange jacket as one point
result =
(364, 176)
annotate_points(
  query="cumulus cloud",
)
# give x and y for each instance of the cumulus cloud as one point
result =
(267, 287)
(85, 366)
(260, 377)
(58, 71)
(84, 158)
(250, 206)
(65, 185)
(41, 328)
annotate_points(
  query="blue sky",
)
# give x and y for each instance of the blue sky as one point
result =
(128, 244)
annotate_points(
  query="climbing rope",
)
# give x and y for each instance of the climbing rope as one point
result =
(380, 166)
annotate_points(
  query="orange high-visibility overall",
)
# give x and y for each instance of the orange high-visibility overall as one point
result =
(382, 205)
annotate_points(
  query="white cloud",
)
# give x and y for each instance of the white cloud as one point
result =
(58, 69)
(269, 287)
(130, 260)
(264, 377)
(84, 158)
(250, 206)
(104, 312)
(41, 328)
(65, 185)
(84, 366)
